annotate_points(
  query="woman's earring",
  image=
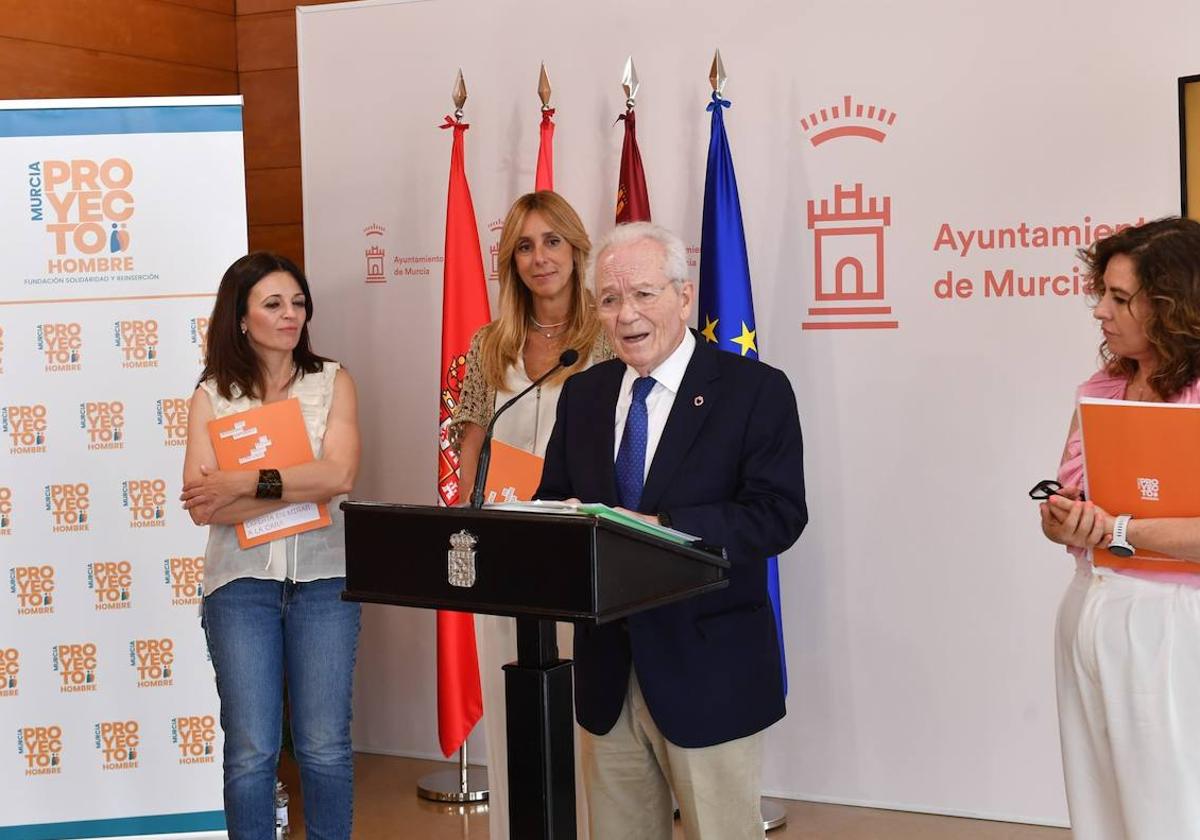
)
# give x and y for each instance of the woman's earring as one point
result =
(243, 329)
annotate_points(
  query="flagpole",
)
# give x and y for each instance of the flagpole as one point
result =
(773, 813)
(544, 175)
(633, 200)
(463, 784)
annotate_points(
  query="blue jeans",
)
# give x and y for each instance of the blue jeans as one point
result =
(259, 633)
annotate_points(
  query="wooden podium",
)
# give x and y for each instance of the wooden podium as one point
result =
(539, 568)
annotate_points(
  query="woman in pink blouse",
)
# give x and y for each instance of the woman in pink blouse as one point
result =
(1128, 643)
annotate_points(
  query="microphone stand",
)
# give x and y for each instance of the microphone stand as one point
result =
(568, 358)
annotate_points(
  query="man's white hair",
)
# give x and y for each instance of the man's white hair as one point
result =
(674, 264)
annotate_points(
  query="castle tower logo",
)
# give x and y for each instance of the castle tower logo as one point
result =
(848, 249)
(375, 254)
(848, 119)
(494, 230)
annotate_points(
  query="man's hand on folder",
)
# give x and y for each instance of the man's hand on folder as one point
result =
(215, 489)
(645, 517)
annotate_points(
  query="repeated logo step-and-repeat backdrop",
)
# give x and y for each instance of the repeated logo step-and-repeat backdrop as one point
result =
(118, 218)
(915, 180)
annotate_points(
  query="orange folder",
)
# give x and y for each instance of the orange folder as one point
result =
(271, 436)
(513, 475)
(1142, 459)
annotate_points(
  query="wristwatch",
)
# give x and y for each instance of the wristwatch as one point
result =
(1119, 545)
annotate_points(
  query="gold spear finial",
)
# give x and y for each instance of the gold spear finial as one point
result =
(716, 76)
(459, 95)
(544, 88)
(629, 82)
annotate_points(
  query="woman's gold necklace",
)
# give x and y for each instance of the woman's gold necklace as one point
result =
(544, 329)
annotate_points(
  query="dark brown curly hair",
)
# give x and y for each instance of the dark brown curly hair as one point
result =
(1166, 260)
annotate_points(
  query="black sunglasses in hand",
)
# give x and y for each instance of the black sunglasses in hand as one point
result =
(1046, 488)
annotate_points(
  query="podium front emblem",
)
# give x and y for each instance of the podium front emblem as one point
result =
(461, 559)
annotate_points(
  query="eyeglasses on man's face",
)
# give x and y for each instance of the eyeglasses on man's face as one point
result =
(640, 299)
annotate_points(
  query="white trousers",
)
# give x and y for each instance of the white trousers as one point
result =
(496, 642)
(1127, 660)
(631, 771)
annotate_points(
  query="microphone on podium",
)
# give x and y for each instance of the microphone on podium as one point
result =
(568, 358)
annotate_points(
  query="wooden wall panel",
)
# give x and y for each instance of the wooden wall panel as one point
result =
(132, 28)
(272, 118)
(282, 239)
(257, 7)
(266, 46)
(30, 70)
(266, 41)
(273, 196)
(225, 7)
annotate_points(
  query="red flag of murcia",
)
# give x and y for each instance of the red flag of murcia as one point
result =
(633, 204)
(464, 311)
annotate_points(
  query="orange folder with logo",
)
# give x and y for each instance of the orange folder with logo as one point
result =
(271, 436)
(513, 475)
(1142, 459)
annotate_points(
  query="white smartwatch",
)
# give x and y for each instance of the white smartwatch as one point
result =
(1120, 545)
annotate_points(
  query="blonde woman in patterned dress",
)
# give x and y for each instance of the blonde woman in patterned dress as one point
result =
(545, 308)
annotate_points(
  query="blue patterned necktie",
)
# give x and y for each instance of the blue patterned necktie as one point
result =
(631, 457)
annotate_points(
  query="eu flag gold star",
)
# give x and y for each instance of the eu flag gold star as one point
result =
(746, 340)
(710, 329)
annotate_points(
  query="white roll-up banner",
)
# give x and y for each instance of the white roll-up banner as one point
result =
(118, 218)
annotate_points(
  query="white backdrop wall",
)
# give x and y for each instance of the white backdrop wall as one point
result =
(919, 604)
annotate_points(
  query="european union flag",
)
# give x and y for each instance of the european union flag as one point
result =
(726, 303)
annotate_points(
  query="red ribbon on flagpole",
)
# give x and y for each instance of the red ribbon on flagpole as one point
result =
(544, 179)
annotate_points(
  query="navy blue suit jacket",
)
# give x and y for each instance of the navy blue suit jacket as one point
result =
(729, 468)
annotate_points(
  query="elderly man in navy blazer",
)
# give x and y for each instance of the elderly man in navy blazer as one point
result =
(676, 699)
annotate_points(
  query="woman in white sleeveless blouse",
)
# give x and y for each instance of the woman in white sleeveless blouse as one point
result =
(273, 613)
(545, 308)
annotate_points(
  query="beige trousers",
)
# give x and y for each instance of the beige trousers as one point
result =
(630, 773)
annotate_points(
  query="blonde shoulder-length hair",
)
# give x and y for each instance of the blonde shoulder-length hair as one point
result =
(504, 338)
